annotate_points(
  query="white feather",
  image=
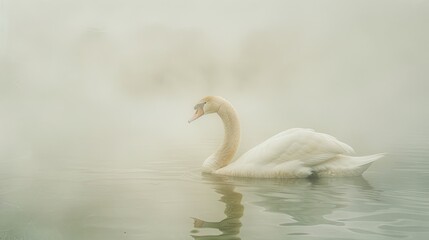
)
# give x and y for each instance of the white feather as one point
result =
(298, 153)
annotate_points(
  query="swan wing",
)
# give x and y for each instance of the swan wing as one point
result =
(292, 152)
(305, 145)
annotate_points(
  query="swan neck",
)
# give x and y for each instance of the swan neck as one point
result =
(231, 141)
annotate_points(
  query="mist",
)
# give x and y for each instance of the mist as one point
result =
(113, 83)
(95, 97)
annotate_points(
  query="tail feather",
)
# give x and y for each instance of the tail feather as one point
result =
(343, 165)
(360, 161)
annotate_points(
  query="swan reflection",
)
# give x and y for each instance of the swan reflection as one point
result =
(231, 224)
(302, 202)
(308, 202)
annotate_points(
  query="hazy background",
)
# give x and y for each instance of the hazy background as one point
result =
(95, 98)
(112, 83)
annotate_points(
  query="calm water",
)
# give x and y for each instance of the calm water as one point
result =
(170, 199)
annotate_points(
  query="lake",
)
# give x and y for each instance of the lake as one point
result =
(169, 198)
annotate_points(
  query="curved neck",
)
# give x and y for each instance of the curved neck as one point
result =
(231, 140)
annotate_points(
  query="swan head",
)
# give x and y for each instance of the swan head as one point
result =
(207, 105)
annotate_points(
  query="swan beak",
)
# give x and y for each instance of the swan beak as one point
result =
(198, 113)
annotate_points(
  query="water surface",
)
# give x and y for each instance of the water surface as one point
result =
(170, 199)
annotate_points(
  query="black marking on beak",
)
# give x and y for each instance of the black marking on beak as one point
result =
(199, 105)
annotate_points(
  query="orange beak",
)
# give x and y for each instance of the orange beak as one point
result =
(198, 113)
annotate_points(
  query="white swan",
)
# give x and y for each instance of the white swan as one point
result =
(294, 153)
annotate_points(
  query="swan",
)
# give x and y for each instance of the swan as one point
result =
(294, 153)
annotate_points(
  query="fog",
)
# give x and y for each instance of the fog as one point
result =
(95, 98)
(113, 83)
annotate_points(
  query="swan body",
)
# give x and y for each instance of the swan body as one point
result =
(294, 153)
